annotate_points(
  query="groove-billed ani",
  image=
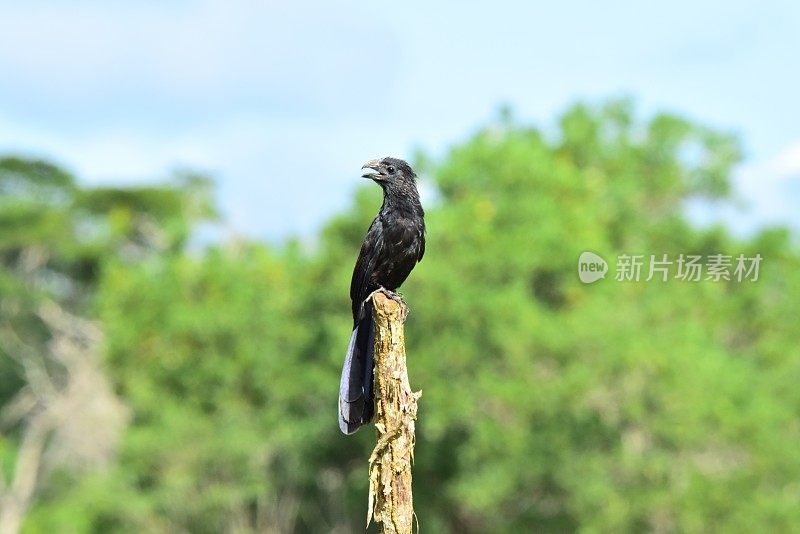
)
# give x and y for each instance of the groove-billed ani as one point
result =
(395, 242)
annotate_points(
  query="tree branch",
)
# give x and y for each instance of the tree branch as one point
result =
(15, 501)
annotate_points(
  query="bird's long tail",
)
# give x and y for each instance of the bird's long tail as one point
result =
(355, 388)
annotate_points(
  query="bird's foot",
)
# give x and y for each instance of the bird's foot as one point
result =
(397, 297)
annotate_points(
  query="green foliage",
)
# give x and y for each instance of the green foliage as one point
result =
(55, 236)
(548, 405)
(55, 240)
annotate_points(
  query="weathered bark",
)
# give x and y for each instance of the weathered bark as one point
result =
(390, 500)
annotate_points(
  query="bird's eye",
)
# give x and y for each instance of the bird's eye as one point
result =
(391, 169)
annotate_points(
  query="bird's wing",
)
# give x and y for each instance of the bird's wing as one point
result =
(365, 265)
(421, 245)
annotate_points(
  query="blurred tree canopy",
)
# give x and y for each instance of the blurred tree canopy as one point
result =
(549, 405)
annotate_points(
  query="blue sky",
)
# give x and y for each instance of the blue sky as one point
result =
(282, 101)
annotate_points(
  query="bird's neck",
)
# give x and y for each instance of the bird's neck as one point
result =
(404, 203)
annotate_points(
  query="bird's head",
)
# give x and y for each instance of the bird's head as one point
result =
(391, 173)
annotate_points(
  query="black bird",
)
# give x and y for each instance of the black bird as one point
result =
(395, 242)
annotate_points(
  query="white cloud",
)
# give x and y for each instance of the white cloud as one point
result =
(112, 62)
(766, 193)
(282, 101)
(769, 189)
(275, 99)
(787, 163)
(274, 176)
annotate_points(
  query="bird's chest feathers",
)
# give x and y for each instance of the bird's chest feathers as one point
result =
(400, 232)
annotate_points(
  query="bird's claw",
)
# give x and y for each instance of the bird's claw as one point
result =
(397, 297)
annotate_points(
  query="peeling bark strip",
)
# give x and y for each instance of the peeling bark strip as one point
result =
(390, 502)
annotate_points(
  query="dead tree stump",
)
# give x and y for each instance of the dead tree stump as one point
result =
(390, 500)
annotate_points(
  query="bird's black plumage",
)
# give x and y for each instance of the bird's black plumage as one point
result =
(394, 243)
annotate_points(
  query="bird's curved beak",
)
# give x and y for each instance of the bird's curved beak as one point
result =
(373, 164)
